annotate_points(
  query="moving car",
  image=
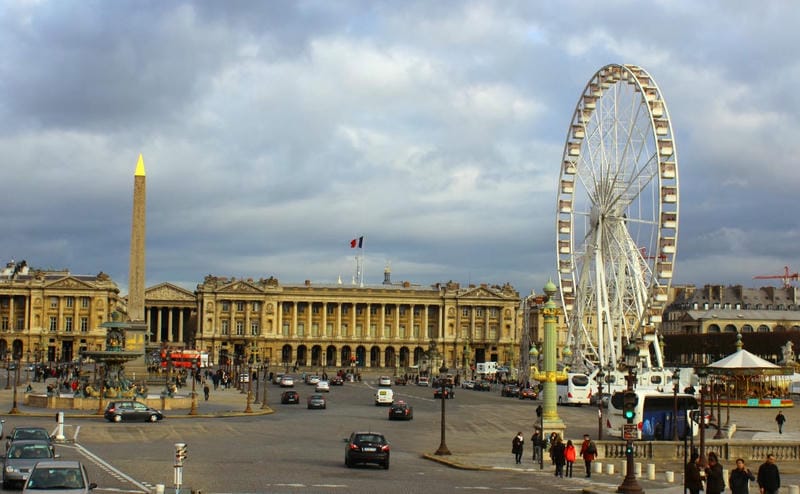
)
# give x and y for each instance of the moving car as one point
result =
(20, 459)
(287, 382)
(276, 379)
(367, 447)
(468, 384)
(316, 401)
(400, 380)
(384, 381)
(384, 396)
(510, 390)
(527, 394)
(58, 477)
(401, 410)
(337, 381)
(448, 392)
(131, 411)
(423, 381)
(482, 386)
(23, 433)
(290, 397)
(323, 387)
(312, 379)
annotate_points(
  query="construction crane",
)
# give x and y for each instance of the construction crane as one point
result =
(786, 277)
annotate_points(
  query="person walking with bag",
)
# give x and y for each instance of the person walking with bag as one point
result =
(588, 453)
(740, 477)
(516, 447)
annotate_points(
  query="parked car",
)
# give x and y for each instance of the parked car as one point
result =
(317, 401)
(384, 381)
(323, 387)
(367, 447)
(23, 433)
(401, 410)
(528, 394)
(448, 392)
(131, 411)
(400, 380)
(58, 477)
(337, 381)
(287, 382)
(20, 459)
(290, 398)
(423, 381)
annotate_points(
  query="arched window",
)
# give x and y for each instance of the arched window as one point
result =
(713, 328)
(747, 328)
(730, 328)
(763, 328)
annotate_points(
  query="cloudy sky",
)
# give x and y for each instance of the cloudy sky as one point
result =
(275, 132)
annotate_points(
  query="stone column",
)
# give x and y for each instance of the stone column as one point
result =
(159, 317)
(424, 330)
(382, 329)
(180, 324)
(550, 420)
(337, 328)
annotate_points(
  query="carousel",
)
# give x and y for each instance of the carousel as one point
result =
(746, 380)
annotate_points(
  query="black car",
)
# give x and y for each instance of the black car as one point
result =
(448, 392)
(510, 390)
(401, 410)
(482, 386)
(366, 447)
(25, 433)
(336, 381)
(131, 411)
(290, 398)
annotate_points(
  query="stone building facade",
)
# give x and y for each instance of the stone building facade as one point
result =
(52, 315)
(379, 326)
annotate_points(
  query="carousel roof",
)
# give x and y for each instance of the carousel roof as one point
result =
(743, 359)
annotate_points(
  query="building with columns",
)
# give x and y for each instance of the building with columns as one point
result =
(53, 315)
(380, 326)
(171, 316)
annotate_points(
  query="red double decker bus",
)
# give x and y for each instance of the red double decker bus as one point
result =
(182, 359)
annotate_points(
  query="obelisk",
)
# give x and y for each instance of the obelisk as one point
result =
(136, 268)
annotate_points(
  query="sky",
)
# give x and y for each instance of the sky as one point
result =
(275, 132)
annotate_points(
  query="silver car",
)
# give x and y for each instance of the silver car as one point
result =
(20, 458)
(58, 477)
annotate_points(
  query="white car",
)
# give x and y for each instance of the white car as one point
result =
(287, 382)
(384, 397)
(323, 387)
(423, 381)
(312, 379)
(384, 381)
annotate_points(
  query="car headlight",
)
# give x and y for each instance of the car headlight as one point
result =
(10, 469)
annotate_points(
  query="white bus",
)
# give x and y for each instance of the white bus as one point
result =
(654, 417)
(576, 390)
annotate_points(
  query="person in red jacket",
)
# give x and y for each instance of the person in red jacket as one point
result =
(588, 453)
(569, 456)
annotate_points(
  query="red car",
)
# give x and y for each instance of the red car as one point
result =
(448, 393)
(527, 394)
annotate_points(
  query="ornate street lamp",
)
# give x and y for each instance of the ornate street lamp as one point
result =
(8, 371)
(264, 404)
(702, 375)
(193, 410)
(676, 381)
(166, 375)
(718, 435)
(442, 381)
(600, 376)
(14, 410)
(248, 409)
(630, 485)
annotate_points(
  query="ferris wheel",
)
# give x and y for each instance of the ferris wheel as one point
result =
(617, 214)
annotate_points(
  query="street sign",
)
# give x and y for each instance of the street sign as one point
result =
(629, 432)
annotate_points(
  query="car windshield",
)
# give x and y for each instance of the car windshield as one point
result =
(26, 434)
(29, 451)
(369, 438)
(55, 478)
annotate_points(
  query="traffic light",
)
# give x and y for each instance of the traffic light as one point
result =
(180, 452)
(629, 401)
(629, 449)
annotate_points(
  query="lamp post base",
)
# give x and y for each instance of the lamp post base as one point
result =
(629, 485)
(443, 451)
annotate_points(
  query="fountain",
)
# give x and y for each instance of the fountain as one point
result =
(113, 383)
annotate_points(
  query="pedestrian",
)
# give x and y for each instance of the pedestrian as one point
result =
(588, 453)
(569, 457)
(692, 480)
(715, 480)
(740, 477)
(780, 419)
(536, 440)
(516, 447)
(557, 454)
(769, 479)
(206, 390)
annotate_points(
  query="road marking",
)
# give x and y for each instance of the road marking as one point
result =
(109, 468)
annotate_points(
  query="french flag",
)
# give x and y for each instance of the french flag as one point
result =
(357, 242)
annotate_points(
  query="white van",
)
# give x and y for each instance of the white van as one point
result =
(384, 396)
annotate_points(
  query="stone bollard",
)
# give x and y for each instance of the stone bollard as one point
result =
(794, 489)
(597, 467)
(637, 469)
(651, 471)
(610, 468)
(159, 488)
(623, 467)
(669, 476)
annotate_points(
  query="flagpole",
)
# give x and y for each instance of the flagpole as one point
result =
(361, 248)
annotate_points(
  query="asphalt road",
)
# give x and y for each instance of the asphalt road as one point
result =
(300, 450)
